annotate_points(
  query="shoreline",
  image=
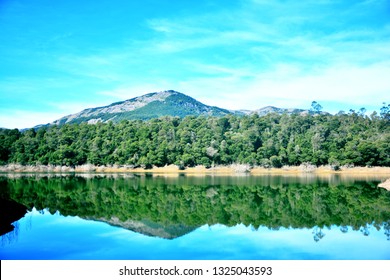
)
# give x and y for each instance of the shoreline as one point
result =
(324, 172)
(234, 169)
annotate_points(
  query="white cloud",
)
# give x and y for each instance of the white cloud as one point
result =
(287, 87)
(345, 83)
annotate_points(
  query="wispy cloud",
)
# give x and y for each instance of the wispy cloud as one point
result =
(301, 53)
(287, 29)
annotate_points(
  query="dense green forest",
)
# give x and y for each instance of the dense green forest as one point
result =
(273, 140)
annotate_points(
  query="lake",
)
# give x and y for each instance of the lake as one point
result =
(182, 217)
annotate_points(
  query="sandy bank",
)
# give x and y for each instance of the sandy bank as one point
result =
(200, 170)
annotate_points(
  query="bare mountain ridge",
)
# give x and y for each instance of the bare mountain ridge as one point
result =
(159, 104)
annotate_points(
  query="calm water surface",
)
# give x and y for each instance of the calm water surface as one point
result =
(184, 217)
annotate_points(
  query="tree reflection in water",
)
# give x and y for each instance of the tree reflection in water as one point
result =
(317, 234)
(386, 226)
(175, 206)
(344, 229)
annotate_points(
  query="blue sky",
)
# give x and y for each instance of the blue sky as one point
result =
(59, 57)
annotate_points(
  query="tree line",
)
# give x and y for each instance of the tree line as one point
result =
(273, 140)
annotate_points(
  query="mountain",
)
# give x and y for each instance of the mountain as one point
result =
(271, 109)
(148, 228)
(159, 104)
(148, 106)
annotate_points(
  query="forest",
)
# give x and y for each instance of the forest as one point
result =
(274, 140)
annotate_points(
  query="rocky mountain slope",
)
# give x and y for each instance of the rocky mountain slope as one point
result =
(158, 104)
(148, 106)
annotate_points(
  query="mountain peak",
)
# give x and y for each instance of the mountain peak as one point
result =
(158, 95)
(147, 106)
(140, 101)
(159, 104)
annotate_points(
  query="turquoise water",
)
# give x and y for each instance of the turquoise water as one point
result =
(148, 217)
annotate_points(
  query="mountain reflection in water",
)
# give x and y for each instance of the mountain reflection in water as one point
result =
(172, 207)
